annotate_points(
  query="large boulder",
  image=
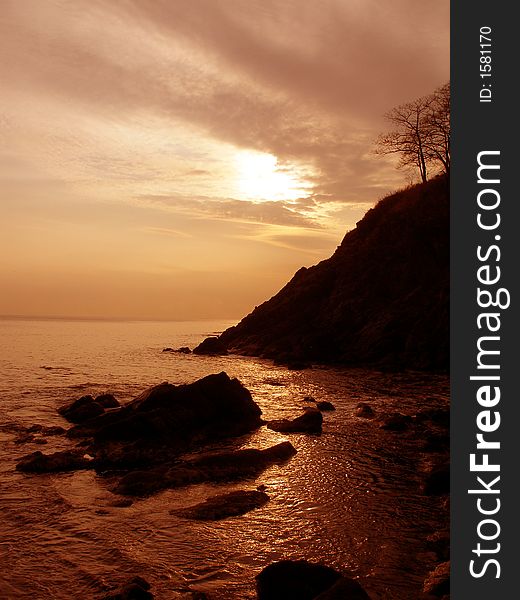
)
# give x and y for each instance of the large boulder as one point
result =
(310, 422)
(223, 506)
(167, 420)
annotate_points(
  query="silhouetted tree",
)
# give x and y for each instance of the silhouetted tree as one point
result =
(438, 128)
(421, 134)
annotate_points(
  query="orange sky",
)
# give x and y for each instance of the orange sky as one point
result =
(181, 159)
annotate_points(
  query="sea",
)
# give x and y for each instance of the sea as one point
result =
(350, 498)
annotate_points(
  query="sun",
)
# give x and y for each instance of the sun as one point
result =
(260, 177)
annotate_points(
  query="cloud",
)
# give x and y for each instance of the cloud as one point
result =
(268, 212)
(122, 122)
(305, 82)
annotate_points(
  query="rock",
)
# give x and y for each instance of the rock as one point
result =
(24, 438)
(364, 410)
(344, 589)
(294, 580)
(437, 583)
(53, 430)
(36, 428)
(136, 588)
(309, 399)
(107, 401)
(81, 410)
(181, 350)
(221, 466)
(122, 503)
(324, 405)
(142, 483)
(68, 460)
(310, 422)
(224, 505)
(211, 345)
(437, 480)
(396, 422)
(167, 420)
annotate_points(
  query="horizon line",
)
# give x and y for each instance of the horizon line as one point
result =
(110, 319)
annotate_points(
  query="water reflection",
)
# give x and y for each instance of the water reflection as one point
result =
(350, 497)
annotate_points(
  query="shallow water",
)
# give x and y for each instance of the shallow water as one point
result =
(349, 498)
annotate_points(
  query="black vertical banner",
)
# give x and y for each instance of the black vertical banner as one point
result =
(485, 248)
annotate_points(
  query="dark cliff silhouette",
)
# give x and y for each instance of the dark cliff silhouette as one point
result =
(381, 299)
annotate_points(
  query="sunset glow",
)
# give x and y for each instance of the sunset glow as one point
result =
(178, 159)
(261, 178)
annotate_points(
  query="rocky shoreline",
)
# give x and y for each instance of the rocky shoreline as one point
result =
(141, 448)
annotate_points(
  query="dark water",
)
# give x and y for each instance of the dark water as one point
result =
(350, 497)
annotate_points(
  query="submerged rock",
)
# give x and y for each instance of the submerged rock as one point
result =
(211, 345)
(220, 466)
(68, 460)
(181, 350)
(53, 430)
(302, 580)
(310, 422)
(225, 505)
(364, 411)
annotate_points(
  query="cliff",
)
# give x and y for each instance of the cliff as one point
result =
(381, 299)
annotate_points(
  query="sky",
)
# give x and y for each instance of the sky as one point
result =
(181, 159)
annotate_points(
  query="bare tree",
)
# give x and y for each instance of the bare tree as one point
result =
(438, 127)
(421, 134)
